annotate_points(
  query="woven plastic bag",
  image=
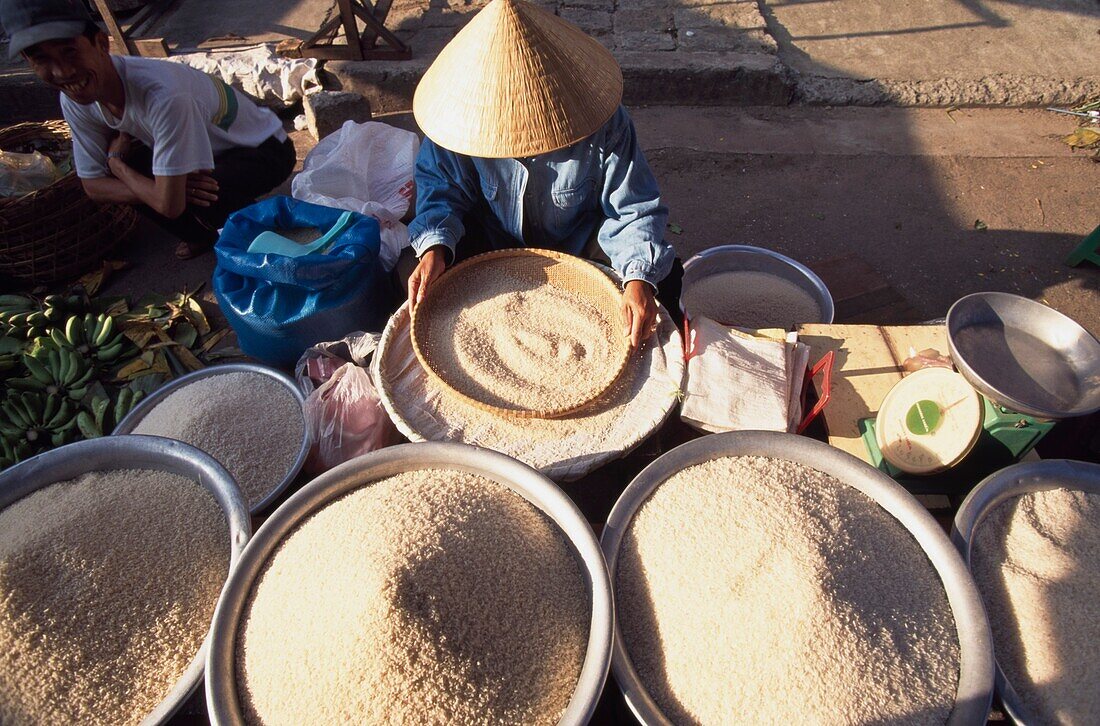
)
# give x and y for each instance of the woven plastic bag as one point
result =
(279, 305)
(366, 168)
(344, 415)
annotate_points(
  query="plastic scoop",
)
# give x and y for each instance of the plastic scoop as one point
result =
(270, 242)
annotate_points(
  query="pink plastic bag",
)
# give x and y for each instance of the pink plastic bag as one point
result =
(344, 414)
(345, 419)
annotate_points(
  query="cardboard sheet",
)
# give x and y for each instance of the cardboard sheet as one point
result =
(868, 364)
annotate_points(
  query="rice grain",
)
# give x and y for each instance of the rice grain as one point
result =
(754, 590)
(247, 421)
(108, 583)
(427, 597)
(534, 348)
(1036, 559)
(751, 300)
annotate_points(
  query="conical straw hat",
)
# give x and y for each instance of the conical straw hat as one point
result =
(517, 81)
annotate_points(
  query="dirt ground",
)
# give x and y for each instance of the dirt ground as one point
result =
(900, 191)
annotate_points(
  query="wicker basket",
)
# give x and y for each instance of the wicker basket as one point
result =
(459, 287)
(56, 232)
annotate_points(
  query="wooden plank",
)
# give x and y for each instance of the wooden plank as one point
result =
(904, 340)
(150, 47)
(351, 27)
(863, 373)
(119, 38)
(380, 11)
(327, 32)
(331, 52)
(145, 12)
(392, 40)
(387, 54)
(146, 47)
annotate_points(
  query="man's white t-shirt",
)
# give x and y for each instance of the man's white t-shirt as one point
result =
(185, 116)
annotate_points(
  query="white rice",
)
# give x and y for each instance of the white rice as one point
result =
(107, 587)
(753, 590)
(1036, 559)
(428, 597)
(750, 300)
(247, 421)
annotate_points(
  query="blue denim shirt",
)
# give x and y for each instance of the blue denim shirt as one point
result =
(559, 200)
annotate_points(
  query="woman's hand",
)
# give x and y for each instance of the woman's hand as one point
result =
(639, 312)
(431, 265)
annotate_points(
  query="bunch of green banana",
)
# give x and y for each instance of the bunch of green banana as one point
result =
(93, 425)
(93, 336)
(55, 371)
(127, 399)
(22, 316)
(57, 308)
(11, 305)
(11, 351)
(33, 422)
(8, 456)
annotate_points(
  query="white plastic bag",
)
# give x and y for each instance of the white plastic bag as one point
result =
(25, 173)
(366, 168)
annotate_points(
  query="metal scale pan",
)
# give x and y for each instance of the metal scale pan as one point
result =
(1025, 356)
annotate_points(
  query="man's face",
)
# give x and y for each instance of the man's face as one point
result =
(78, 67)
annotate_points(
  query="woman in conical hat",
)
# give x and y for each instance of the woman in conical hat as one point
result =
(528, 145)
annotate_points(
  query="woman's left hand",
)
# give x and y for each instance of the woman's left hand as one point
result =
(639, 312)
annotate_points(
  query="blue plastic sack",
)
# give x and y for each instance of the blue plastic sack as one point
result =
(279, 305)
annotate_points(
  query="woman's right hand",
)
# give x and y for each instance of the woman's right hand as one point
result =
(431, 265)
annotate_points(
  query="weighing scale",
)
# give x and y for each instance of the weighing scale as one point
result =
(941, 436)
(1021, 367)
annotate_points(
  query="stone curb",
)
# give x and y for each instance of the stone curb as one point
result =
(999, 91)
(657, 78)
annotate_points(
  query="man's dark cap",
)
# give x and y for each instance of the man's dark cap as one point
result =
(32, 21)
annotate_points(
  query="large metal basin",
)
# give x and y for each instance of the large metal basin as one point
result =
(746, 258)
(975, 689)
(1032, 476)
(140, 411)
(114, 453)
(221, 683)
(1024, 355)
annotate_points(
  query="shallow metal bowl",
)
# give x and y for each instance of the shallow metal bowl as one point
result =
(1032, 476)
(147, 404)
(223, 703)
(1024, 355)
(746, 258)
(975, 689)
(113, 453)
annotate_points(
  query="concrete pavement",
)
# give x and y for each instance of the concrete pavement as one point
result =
(828, 52)
(939, 52)
(713, 52)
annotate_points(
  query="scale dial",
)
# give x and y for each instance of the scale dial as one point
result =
(929, 421)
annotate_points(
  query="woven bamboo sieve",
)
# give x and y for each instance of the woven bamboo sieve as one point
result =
(56, 232)
(540, 267)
